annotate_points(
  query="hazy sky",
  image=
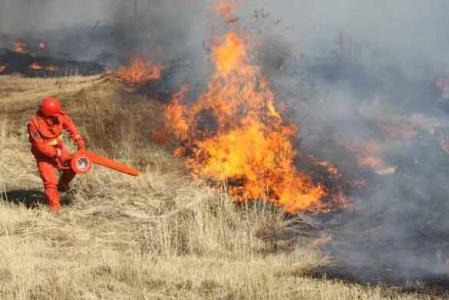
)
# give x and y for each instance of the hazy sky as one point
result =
(37, 15)
(417, 28)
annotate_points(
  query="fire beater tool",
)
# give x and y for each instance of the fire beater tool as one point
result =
(83, 161)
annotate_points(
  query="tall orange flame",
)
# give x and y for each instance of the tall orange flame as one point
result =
(235, 133)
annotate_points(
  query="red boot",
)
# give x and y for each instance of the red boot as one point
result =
(53, 200)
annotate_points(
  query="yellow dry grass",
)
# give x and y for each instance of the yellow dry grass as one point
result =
(158, 236)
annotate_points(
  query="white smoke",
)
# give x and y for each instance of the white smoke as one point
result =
(338, 92)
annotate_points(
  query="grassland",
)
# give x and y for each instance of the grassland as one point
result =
(159, 236)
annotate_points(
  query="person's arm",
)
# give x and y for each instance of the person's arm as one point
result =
(73, 131)
(39, 144)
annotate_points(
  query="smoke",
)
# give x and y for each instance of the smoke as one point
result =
(354, 72)
(365, 86)
(107, 31)
(28, 16)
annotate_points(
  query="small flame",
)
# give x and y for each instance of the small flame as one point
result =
(35, 66)
(227, 10)
(19, 47)
(42, 45)
(140, 71)
(330, 168)
(369, 154)
(174, 112)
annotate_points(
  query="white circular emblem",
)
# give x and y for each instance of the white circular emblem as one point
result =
(82, 163)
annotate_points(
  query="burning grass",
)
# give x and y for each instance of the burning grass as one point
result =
(139, 71)
(19, 47)
(234, 132)
(27, 64)
(155, 237)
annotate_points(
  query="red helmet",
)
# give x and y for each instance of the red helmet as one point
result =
(50, 107)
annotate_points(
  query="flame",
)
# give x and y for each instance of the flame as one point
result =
(35, 66)
(41, 45)
(329, 167)
(369, 154)
(230, 55)
(227, 10)
(234, 133)
(140, 71)
(19, 47)
(2, 68)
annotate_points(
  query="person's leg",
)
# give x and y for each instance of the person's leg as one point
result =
(49, 177)
(64, 181)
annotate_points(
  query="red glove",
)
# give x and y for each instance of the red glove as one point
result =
(63, 155)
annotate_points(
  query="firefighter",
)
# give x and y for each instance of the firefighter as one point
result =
(45, 131)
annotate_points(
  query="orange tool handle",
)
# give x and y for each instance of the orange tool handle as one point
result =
(109, 163)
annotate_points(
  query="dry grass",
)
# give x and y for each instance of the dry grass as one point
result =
(155, 237)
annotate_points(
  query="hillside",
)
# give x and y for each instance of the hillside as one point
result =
(153, 237)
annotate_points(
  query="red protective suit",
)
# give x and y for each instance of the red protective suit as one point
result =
(45, 134)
